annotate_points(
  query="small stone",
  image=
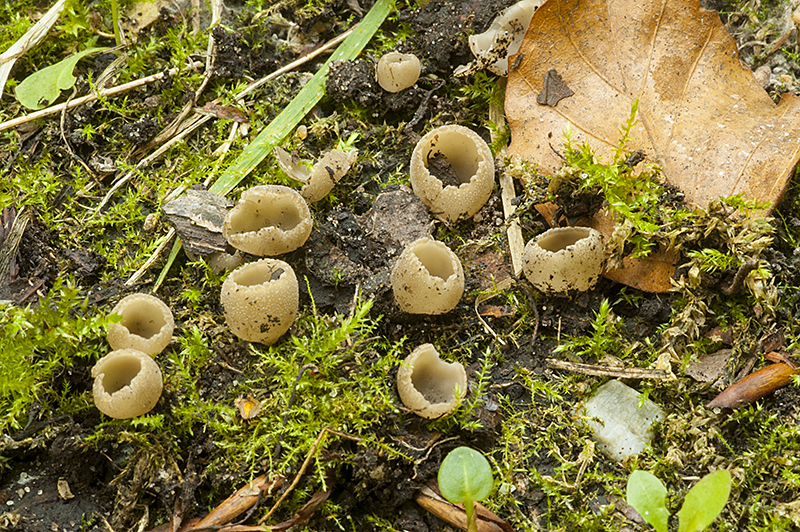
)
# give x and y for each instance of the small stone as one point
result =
(624, 428)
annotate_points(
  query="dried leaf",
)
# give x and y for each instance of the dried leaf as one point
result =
(755, 386)
(224, 112)
(709, 367)
(554, 89)
(250, 407)
(702, 116)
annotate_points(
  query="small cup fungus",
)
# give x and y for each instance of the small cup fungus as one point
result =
(397, 72)
(427, 278)
(127, 383)
(268, 220)
(564, 258)
(428, 385)
(260, 300)
(320, 179)
(146, 325)
(471, 160)
(503, 38)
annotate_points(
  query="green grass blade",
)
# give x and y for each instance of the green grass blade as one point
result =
(305, 100)
(284, 123)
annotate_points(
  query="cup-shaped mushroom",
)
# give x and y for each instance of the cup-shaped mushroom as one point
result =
(127, 383)
(427, 278)
(429, 386)
(397, 71)
(268, 220)
(260, 300)
(564, 258)
(458, 156)
(146, 325)
(327, 172)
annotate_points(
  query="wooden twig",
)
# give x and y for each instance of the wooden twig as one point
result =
(94, 96)
(149, 262)
(303, 468)
(607, 371)
(485, 297)
(10, 244)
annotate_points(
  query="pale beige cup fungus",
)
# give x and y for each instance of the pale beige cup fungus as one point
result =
(269, 220)
(127, 383)
(396, 72)
(147, 324)
(427, 278)
(563, 259)
(471, 160)
(320, 178)
(429, 386)
(503, 38)
(260, 300)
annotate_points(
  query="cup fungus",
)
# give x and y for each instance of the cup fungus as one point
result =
(564, 258)
(146, 325)
(471, 161)
(268, 220)
(429, 386)
(397, 72)
(320, 179)
(427, 278)
(260, 300)
(127, 383)
(503, 38)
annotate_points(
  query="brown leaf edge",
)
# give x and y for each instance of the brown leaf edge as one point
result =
(755, 386)
(431, 499)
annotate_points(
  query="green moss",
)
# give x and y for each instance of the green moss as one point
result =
(38, 344)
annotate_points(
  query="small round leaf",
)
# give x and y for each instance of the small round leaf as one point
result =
(465, 475)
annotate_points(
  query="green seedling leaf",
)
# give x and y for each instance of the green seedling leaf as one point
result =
(41, 88)
(648, 496)
(465, 476)
(704, 501)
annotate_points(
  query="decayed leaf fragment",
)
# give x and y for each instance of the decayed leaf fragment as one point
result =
(702, 116)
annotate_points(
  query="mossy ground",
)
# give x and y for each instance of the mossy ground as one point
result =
(336, 370)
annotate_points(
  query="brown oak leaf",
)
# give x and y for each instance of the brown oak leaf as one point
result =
(702, 116)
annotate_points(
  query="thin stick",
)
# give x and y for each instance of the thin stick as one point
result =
(140, 272)
(299, 474)
(296, 63)
(94, 96)
(144, 162)
(516, 244)
(606, 371)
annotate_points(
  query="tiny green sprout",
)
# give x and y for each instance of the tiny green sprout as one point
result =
(465, 476)
(702, 504)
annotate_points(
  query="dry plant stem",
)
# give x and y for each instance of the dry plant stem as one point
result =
(480, 299)
(516, 244)
(144, 162)
(741, 274)
(240, 501)
(10, 244)
(605, 371)
(149, 262)
(31, 38)
(303, 467)
(216, 13)
(294, 64)
(455, 514)
(92, 97)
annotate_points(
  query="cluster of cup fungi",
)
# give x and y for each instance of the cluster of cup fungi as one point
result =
(261, 298)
